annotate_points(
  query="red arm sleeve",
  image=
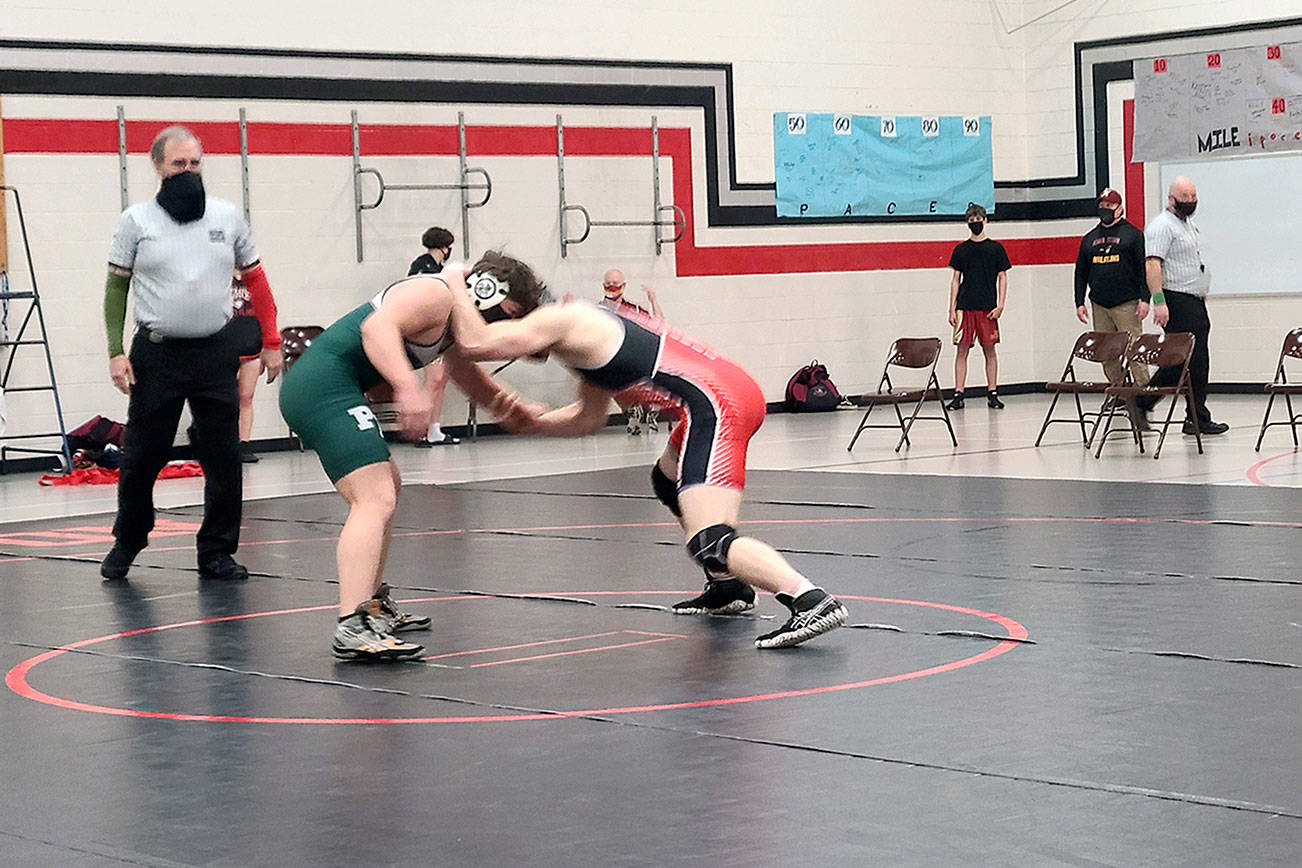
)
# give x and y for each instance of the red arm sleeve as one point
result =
(264, 305)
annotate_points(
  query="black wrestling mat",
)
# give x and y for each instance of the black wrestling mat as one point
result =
(1037, 673)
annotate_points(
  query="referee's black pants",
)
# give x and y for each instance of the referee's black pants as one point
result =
(1189, 314)
(169, 373)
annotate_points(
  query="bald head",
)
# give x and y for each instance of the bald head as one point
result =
(1182, 196)
(613, 283)
(1182, 187)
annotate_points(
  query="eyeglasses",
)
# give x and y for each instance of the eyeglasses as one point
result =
(612, 286)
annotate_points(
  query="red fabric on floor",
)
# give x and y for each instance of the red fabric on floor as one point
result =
(101, 476)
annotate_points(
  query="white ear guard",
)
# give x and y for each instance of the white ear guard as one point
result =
(487, 290)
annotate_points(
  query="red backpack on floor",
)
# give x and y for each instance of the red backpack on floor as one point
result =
(812, 389)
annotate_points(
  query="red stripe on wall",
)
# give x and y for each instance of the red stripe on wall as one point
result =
(51, 136)
(40, 136)
(1135, 211)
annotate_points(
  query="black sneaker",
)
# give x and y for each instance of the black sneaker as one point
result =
(720, 597)
(812, 613)
(957, 403)
(993, 402)
(1206, 428)
(117, 563)
(399, 621)
(247, 455)
(366, 636)
(222, 568)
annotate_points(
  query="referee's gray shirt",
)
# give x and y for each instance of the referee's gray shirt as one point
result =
(181, 272)
(1175, 242)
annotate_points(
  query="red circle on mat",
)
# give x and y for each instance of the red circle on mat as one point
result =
(16, 678)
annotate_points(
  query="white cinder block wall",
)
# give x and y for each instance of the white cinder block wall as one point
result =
(934, 56)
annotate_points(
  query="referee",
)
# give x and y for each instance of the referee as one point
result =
(175, 254)
(1179, 281)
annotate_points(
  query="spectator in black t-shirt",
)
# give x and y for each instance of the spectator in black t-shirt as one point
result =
(438, 247)
(437, 242)
(1111, 263)
(976, 299)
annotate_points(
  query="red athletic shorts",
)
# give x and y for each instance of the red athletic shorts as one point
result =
(976, 326)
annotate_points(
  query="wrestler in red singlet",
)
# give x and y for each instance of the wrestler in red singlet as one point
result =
(722, 405)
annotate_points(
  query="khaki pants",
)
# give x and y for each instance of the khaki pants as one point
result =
(1122, 318)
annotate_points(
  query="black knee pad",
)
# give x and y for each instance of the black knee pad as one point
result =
(666, 489)
(709, 548)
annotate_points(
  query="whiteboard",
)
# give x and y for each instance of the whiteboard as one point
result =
(1249, 221)
(1219, 104)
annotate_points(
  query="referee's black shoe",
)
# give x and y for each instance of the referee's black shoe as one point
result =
(117, 563)
(1204, 428)
(222, 568)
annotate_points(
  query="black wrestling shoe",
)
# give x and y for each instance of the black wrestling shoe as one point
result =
(222, 568)
(812, 613)
(720, 597)
(117, 563)
(956, 403)
(993, 402)
(247, 455)
(366, 636)
(399, 621)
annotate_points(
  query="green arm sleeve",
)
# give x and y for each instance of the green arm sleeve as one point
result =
(115, 310)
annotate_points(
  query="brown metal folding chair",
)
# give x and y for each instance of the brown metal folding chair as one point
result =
(1164, 351)
(1281, 386)
(916, 354)
(294, 341)
(1100, 347)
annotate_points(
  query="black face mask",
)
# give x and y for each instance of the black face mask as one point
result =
(182, 196)
(1186, 209)
(494, 314)
(1107, 215)
(976, 226)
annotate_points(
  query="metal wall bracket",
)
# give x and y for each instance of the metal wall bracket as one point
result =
(244, 161)
(463, 185)
(658, 212)
(122, 157)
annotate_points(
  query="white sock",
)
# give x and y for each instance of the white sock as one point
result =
(434, 433)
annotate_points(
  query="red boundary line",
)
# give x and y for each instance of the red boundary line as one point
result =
(16, 678)
(59, 136)
(630, 644)
(1252, 472)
